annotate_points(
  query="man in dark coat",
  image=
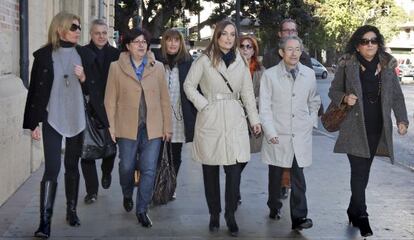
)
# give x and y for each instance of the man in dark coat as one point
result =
(105, 54)
(287, 27)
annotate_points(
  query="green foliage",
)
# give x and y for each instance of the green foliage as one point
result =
(340, 18)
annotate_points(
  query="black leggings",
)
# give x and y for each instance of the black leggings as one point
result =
(52, 145)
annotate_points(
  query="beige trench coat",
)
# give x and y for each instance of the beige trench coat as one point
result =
(221, 134)
(288, 110)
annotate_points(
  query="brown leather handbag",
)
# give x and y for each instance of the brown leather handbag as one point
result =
(334, 116)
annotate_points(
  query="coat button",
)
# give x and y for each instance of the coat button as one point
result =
(356, 114)
(40, 83)
(293, 135)
(45, 70)
(32, 105)
(293, 115)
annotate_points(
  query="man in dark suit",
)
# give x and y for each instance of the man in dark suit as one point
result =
(287, 27)
(105, 54)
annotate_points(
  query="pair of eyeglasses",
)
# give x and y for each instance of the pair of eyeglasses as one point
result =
(365, 41)
(143, 42)
(247, 46)
(289, 30)
(75, 27)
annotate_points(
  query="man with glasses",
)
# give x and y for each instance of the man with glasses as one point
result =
(287, 27)
(105, 54)
(288, 113)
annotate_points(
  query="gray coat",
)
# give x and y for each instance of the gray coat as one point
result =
(352, 137)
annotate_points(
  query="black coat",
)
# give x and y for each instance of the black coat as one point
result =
(110, 54)
(41, 81)
(189, 111)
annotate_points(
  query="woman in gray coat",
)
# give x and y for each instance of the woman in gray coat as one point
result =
(367, 83)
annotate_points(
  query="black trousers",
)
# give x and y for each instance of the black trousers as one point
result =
(360, 169)
(211, 175)
(176, 149)
(298, 204)
(52, 145)
(91, 175)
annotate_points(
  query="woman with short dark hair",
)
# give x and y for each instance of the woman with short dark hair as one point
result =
(138, 108)
(366, 82)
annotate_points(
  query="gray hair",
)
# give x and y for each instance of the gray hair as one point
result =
(97, 22)
(283, 41)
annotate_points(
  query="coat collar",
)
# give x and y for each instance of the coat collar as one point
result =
(126, 67)
(239, 60)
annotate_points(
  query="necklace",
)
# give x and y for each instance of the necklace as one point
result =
(65, 68)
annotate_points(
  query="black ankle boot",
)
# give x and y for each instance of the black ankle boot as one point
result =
(71, 189)
(47, 200)
(231, 225)
(214, 222)
(364, 227)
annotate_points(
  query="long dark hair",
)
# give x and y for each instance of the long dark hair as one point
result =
(354, 41)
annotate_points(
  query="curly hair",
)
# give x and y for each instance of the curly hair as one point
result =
(356, 38)
(130, 36)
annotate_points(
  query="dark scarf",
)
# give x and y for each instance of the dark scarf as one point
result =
(229, 57)
(100, 53)
(66, 44)
(171, 60)
(369, 81)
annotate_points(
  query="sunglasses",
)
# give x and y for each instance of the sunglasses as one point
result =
(365, 42)
(247, 46)
(75, 27)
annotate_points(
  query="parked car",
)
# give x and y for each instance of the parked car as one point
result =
(320, 70)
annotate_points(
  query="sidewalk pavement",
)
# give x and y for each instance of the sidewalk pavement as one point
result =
(390, 200)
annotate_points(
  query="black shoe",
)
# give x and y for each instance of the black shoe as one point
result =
(284, 192)
(144, 220)
(214, 224)
(274, 214)
(90, 198)
(352, 219)
(47, 199)
(128, 204)
(232, 225)
(71, 190)
(106, 180)
(364, 227)
(302, 223)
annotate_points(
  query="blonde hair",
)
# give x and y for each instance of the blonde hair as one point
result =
(62, 21)
(182, 52)
(213, 50)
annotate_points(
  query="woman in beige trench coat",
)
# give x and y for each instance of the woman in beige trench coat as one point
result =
(221, 134)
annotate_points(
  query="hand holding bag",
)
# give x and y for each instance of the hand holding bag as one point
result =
(334, 116)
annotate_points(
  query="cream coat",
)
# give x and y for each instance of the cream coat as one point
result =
(123, 95)
(221, 136)
(288, 110)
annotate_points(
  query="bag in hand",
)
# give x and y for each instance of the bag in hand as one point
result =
(334, 116)
(165, 180)
(97, 141)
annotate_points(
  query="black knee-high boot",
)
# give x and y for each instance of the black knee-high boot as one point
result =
(47, 200)
(71, 189)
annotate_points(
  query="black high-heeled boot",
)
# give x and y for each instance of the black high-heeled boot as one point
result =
(364, 227)
(71, 189)
(231, 224)
(47, 200)
(214, 222)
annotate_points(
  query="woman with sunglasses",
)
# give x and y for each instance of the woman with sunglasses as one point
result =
(62, 72)
(250, 51)
(216, 82)
(177, 61)
(365, 81)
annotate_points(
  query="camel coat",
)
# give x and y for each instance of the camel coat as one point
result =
(221, 136)
(123, 95)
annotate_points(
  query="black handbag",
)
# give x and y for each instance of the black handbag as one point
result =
(165, 180)
(97, 142)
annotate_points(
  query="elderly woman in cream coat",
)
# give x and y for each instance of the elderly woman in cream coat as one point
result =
(289, 107)
(221, 134)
